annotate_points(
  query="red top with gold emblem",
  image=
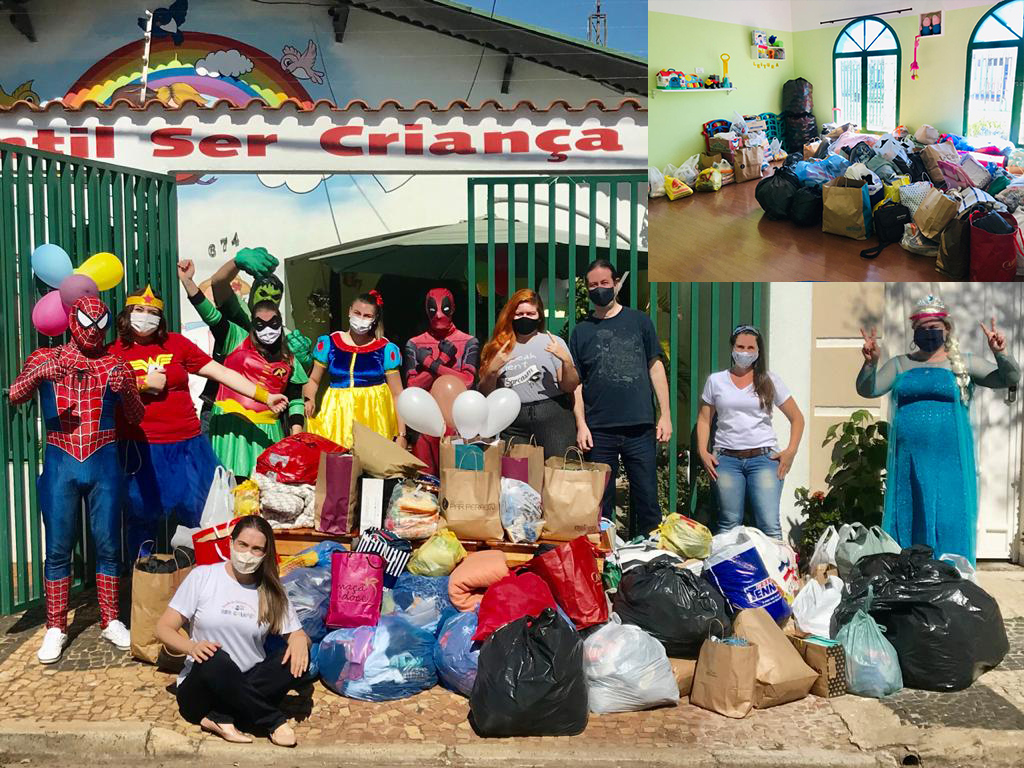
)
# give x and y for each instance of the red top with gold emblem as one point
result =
(272, 376)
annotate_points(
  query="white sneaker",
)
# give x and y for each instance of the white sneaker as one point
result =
(118, 635)
(53, 646)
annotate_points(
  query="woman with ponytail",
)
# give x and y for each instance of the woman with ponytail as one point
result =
(744, 462)
(931, 489)
(230, 686)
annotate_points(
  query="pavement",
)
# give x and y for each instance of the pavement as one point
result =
(98, 702)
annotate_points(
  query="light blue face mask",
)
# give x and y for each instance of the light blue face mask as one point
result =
(744, 359)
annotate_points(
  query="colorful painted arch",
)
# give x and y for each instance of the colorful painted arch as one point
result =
(170, 63)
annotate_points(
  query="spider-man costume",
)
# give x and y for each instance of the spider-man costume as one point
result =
(79, 385)
(442, 351)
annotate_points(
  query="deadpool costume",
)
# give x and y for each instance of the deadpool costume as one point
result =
(79, 385)
(442, 350)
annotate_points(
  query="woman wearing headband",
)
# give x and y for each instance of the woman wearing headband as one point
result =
(363, 370)
(745, 463)
(931, 494)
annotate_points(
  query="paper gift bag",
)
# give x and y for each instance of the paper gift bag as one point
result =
(470, 503)
(572, 495)
(337, 493)
(213, 545)
(357, 586)
(708, 161)
(725, 678)
(449, 455)
(380, 457)
(828, 659)
(534, 455)
(935, 152)
(515, 469)
(846, 208)
(747, 164)
(151, 592)
(934, 213)
(782, 676)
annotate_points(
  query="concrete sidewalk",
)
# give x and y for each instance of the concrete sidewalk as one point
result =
(98, 702)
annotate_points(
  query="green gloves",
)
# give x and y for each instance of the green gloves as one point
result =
(256, 261)
(301, 347)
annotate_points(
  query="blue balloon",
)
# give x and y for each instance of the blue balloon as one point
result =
(51, 264)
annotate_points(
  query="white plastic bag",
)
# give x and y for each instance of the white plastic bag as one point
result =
(220, 501)
(815, 604)
(779, 560)
(963, 565)
(687, 172)
(627, 669)
(656, 179)
(825, 549)
(183, 537)
(739, 125)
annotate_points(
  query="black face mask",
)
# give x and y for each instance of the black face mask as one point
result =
(928, 339)
(601, 297)
(258, 323)
(524, 326)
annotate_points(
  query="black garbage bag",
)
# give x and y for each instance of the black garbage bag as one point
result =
(800, 130)
(775, 193)
(530, 681)
(807, 206)
(797, 96)
(946, 630)
(673, 604)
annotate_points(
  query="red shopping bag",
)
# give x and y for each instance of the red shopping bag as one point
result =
(570, 570)
(357, 586)
(294, 460)
(516, 595)
(994, 257)
(213, 545)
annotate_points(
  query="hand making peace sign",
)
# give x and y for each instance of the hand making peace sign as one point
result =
(870, 349)
(996, 339)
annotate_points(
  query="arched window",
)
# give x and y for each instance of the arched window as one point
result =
(995, 67)
(866, 66)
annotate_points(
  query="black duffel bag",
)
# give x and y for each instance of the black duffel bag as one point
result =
(775, 193)
(889, 219)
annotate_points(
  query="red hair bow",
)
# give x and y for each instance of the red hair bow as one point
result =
(378, 298)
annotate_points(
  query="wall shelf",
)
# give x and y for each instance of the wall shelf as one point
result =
(694, 90)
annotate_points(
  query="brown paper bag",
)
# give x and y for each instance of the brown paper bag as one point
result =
(572, 495)
(846, 208)
(934, 213)
(725, 679)
(151, 592)
(708, 161)
(380, 457)
(492, 455)
(782, 676)
(810, 150)
(931, 155)
(534, 454)
(469, 502)
(337, 493)
(747, 164)
(683, 670)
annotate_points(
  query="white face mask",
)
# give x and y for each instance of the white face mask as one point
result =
(744, 359)
(268, 335)
(144, 323)
(245, 562)
(359, 324)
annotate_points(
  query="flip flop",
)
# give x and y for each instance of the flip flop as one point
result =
(226, 731)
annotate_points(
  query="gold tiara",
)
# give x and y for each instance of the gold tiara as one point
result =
(147, 299)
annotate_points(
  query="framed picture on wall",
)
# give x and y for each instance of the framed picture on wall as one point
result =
(931, 24)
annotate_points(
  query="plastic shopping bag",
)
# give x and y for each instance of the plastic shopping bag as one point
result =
(520, 509)
(656, 180)
(872, 666)
(739, 572)
(825, 549)
(220, 501)
(309, 591)
(421, 600)
(438, 556)
(455, 653)
(684, 536)
(778, 558)
(687, 172)
(963, 565)
(627, 670)
(815, 604)
(247, 498)
(859, 542)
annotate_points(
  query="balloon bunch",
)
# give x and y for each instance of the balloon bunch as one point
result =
(450, 404)
(52, 265)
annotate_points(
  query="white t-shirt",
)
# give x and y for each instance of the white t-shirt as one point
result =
(220, 610)
(742, 422)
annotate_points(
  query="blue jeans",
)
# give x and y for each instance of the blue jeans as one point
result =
(637, 447)
(756, 479)
(63, 484)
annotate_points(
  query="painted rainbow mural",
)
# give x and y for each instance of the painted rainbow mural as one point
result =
(171, 64)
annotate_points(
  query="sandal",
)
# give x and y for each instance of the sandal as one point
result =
(226, 731)
(283, 736)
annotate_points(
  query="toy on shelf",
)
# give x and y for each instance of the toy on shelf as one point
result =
(692, 81)
(725, 71)
(713, 81)
(671, 79)
(758, 37)
(931, 24)
(775, 42)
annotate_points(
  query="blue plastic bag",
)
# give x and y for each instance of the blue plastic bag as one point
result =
(455, 653)
(872, 664)
(309, 591)
(393, 660)
(421, 600)
(739, 573)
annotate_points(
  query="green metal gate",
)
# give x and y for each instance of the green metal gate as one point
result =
(84, 207)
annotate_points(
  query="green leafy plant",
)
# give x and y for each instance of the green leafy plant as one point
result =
(818, 514)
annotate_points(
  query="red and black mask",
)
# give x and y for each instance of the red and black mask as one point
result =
(89, 321)
(440, 310)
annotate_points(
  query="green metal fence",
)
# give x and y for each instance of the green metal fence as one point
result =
(84, 207)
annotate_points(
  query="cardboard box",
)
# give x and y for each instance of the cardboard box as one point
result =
(374, 495)
(755, 124)
(828, 659)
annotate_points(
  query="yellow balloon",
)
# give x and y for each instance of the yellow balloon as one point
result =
(105, 269)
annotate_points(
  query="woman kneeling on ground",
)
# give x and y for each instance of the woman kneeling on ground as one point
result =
(229, 680)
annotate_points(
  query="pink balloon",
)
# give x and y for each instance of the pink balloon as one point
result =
(75, 287)
(49, 315)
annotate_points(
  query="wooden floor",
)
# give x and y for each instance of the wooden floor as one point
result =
(724, 235)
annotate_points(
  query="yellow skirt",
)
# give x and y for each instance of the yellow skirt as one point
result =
(373, 407)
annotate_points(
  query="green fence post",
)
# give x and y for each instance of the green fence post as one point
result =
(572, 256)
(490, 259)
(471, 253)
(673, 443)
(511, 256)
(531, 242)
(553, 253)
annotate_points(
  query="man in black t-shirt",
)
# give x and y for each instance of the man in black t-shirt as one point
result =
(619, 361)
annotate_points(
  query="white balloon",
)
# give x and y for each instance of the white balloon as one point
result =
(469, 412)
(420, 411)
(503, 407)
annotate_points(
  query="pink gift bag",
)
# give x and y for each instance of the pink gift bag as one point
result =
(357, 586)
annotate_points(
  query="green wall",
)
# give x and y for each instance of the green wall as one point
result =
(685, 43)
(936, 97)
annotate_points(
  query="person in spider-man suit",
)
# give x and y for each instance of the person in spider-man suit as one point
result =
(80, 384)
(442, 350)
